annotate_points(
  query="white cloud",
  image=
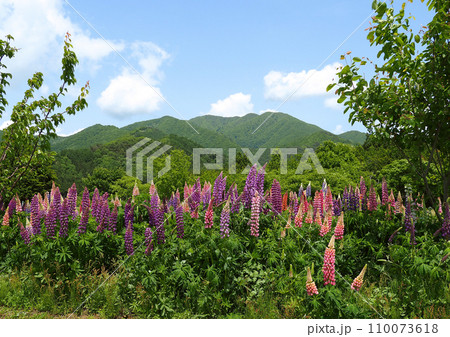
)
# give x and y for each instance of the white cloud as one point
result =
(237, 104)
(5, 124)
(338, 130)
(38, 28)
(280, 86)
(58, 132)
(130, 93)
(331, 102)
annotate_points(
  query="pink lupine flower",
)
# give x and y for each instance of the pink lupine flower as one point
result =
(358, 281)
(18, 204)
(311, 288)
(209, 215)
(318, 218)
(328, 264)
(5, 221)
(298, 221)
(372, 203)
(339, 230)
(328, 199)
(440, 206)
(254, 220)
(384, 192)
(324, 226)
(309, 215)
(135, 189)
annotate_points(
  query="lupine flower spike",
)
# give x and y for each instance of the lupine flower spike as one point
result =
(311, 288)
(225, 221)
(209, 215)
(358, 281)
(129, 239)
(328, 264)
(298, 221)
(254, 220)
(339, 230)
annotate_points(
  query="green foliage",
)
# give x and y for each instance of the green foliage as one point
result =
(25, 144)
(406, 102)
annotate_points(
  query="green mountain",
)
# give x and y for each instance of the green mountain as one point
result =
(253, 131)
(354, 137)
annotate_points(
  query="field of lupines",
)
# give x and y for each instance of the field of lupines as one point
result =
(220, 252)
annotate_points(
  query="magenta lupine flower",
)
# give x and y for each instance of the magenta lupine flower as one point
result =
(50, 222)
(209, 215)
(358, 281)
(250, 187)
(328, 264)
(362, 188)
(275, 192)
(311, 288)
(159, 224)
(225, 221)
(328, 203)
(25, 233)
(384, 192)
(64, 219)
(254, 220)
(112, 225)
(180, 222)
(35, 216)
(72, 200)
(148, 241)
(372, 204)
(339, 229)
(84, 212)
(446, 223)
(129, 240)
(194, 199)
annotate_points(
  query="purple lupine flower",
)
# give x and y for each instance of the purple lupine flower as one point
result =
(353, 200)
(372, 204)
(72, 200)
(25, 233)
(50, 222)
(300, 191)
(129, 239)
(112, 225)
(391, 238)
(254, 220)
(275, 192)
(180, 222)
(159, 223)
(194, 197)
(260, 180)
(407, 220)
(308, 190)
(56, 202)
(337, 206)
(35, 216)
(64, 219)
(446, 223)
(225, 221)
(345, 199)
(148, 241)
(250, 187)
(206, 195)
(95, 203)
(235, 201)
(104, 215)
(85, 208)
(384, 192)
(12, 207)
(219, 189)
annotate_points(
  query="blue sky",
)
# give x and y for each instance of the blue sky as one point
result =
(189, 58)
